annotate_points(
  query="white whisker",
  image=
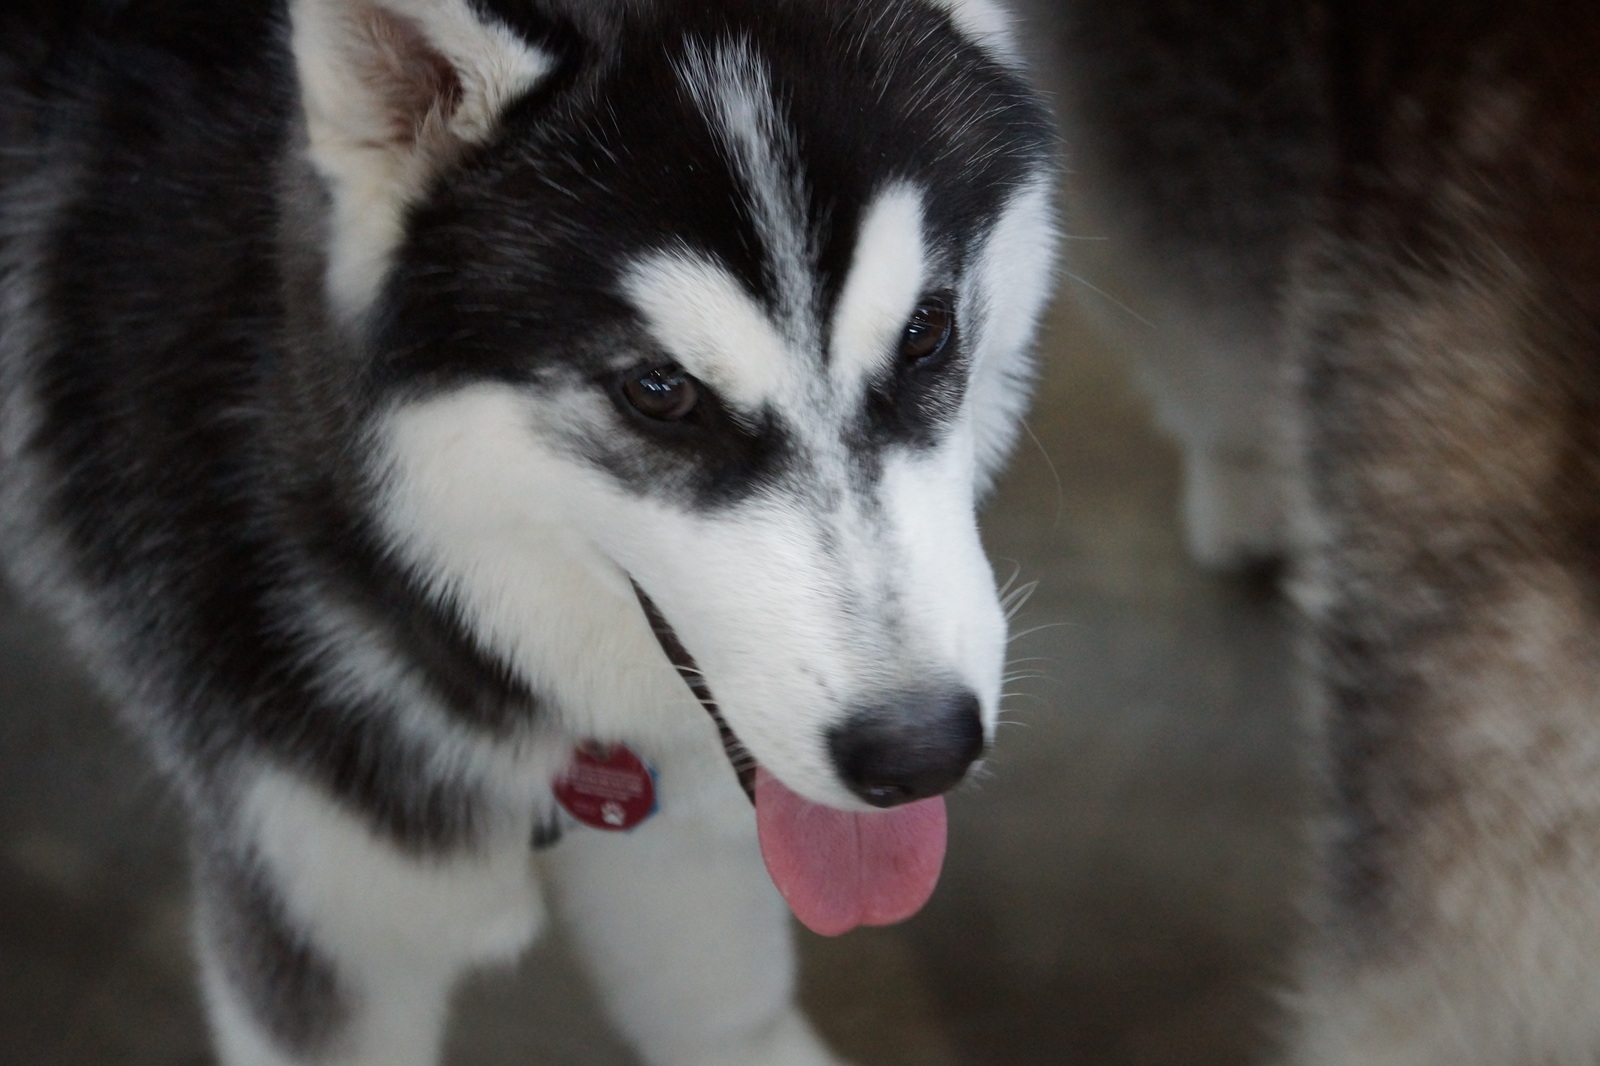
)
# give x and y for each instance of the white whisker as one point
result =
(1040, 628)
(1005, 586)
(1055, 475)
(1103, 294)
(1013, 601)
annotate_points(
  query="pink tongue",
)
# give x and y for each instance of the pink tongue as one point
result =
(838, 870)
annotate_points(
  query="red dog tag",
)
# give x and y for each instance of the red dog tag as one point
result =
(607, 788)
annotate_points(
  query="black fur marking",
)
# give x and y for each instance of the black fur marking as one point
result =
(159, 418)
(547, 833)
(355, 750)
(476, 686)
(293, 991)
(714, 457)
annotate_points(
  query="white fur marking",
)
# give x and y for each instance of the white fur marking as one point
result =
(705, 318)
(1007, 292)
(734, 92)
(886, 277)
(367, 900)
(484, 501)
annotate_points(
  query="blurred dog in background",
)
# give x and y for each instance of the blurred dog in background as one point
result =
(1374, 228)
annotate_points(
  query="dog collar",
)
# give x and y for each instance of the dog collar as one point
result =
(607, 786)
(744, 766)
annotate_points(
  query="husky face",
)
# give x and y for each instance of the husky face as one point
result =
(675, 329)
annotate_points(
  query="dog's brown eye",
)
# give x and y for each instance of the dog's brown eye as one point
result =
(662, 393)
(928, 330)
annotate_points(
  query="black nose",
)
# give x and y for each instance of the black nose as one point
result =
(917, 745)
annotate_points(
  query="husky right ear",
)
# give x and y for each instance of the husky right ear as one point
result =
(393, 91)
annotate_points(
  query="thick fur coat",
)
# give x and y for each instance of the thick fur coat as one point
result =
(397, 396)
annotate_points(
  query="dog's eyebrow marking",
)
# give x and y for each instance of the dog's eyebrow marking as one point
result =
(706, 319)
(886, 276)
(733, 90)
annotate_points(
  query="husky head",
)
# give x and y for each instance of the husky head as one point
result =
(716, 312)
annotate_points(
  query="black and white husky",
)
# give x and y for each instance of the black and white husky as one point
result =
(415, 409)
(1377, 223)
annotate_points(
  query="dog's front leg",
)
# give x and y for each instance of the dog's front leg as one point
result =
(690, 942)
(323, 941)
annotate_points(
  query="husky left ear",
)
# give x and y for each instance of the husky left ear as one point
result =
(987, 25)
(393, 91)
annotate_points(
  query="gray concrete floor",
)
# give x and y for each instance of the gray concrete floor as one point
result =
(1118, 886)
